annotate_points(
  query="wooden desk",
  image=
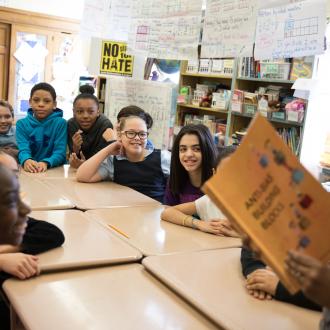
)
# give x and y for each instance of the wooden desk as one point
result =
(152, 236)
(62, 172)
(99, 195)
(40, 196)
(87, 243)
(213, 282)
(118, 297)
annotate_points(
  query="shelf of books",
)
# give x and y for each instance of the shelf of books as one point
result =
(225, 94)
(205, 92)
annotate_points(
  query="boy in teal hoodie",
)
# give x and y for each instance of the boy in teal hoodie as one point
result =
(42, 134)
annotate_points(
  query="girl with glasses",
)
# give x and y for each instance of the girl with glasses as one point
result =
(129, 162)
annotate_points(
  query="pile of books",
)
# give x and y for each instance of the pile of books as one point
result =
(214, 125)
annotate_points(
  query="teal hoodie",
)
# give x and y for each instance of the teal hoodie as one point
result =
(42, 141)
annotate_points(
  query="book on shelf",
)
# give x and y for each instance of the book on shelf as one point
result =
(268, 195)
(204, 65)
(302, 67)
(220, 99)
(192, 66)
(237, 100)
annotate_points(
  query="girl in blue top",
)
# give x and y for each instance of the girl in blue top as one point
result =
(42, 134)
(128, 162)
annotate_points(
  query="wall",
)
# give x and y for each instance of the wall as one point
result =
(318, 115)
(63, 8)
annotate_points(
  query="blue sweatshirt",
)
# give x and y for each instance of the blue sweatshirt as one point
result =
(42, 141)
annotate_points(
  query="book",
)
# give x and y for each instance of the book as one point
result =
(268, 195)
(302, 68)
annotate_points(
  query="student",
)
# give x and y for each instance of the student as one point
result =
(88, 130)
(13, 212)
(193, 160)
(128, 162)
(17, 258)
(40, 236)
(212, 220)
(314, 278)
(42, 134)
(262, 283)
(7, 130)
(133, 110)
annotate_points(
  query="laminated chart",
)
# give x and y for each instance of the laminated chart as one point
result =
(165, 29)
(294, 30)
(229, 28)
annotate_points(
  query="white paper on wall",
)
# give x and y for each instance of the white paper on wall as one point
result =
(96, 14)
(153, 97)
(293, 30)
(120, 19)
(165, 29)
(276, 3)
(229, 28)
(107, 19)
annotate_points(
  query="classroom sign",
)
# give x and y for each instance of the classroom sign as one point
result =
(114, 59)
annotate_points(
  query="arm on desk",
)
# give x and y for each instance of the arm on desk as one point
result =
(182, 214)
(41, 236)
(88, 171)
(176, 214)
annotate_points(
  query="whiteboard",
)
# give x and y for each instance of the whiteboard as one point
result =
(294, 30)
(153, 97)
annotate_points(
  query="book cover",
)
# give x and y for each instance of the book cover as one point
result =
(267, 194)
(302, 68)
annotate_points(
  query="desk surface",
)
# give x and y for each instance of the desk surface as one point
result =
(213, 282)
(119, 297)
(40, 196)
(87, 243)
(61, 172)
(152, 236)
(98, 195)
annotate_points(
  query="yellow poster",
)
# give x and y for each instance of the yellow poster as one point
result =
(114, 59)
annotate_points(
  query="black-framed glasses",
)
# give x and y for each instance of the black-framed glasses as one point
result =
(132, 134)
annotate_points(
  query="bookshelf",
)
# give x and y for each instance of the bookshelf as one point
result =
(100, 91)
(214, 79)
(238, 121)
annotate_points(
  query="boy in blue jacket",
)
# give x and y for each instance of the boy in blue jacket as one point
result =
(42, 134)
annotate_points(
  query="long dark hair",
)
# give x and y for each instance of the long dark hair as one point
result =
(178, 175)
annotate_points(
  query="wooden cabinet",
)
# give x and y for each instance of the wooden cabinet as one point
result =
(18, 27)
(4, 59)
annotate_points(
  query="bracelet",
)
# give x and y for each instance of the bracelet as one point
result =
(184, 220)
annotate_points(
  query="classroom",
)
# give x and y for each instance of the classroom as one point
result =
(164, 164)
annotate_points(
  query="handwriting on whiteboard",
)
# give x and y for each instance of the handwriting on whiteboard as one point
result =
(229, 28)
(294, 30)
(165, 29)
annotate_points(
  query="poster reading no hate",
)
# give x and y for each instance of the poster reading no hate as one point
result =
(114, 59)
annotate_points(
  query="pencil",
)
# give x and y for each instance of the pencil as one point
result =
(118, 230)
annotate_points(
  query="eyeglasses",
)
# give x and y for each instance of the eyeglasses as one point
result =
(132, 134)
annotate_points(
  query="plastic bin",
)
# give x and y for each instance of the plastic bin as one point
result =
(274, 70)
